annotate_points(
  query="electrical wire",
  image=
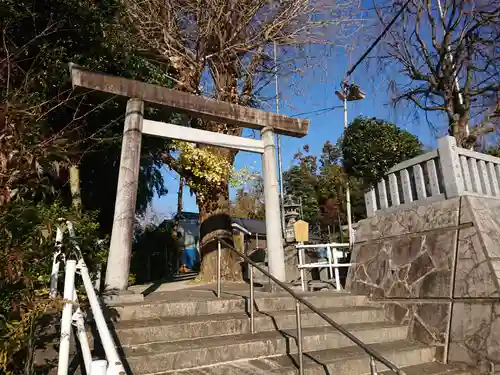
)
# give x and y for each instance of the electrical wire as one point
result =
(360, 60)
(386, 29)
(317, 111)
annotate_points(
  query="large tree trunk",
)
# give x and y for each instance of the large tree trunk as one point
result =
(212, 199)
(74, 183)
(215, 219)
(459, 128)
(216, 222)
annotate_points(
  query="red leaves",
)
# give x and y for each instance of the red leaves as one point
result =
(13, 266)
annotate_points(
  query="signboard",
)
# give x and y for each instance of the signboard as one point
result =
(301, 229)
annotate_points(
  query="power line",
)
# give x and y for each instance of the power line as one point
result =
(318, 111)
(386, 29)
(360, 60)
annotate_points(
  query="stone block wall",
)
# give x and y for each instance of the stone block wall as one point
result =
(436, 268)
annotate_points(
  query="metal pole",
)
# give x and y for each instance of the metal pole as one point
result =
(299, 338)
(99, 367)
(276, 256)
(278, 143)
(218, 268)
(348, 189)
(120, 249)
(81, 333)
(54, 276)
(69, 290)
(301, 263)
(252, 300)
(373, 366)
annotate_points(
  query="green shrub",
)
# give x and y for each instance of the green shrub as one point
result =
(371, 147)
(27, 237)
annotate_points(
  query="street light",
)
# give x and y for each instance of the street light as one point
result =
(351, 92)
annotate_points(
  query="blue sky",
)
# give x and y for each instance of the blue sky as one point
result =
(315, 91)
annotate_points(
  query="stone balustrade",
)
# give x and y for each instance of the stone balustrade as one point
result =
(444, 173)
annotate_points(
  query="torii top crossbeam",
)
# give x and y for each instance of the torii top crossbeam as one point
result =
(195, 105)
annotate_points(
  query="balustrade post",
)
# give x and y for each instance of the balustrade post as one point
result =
(370, 202)
(451, 169)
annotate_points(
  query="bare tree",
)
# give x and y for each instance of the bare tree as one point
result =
(447, 52)
(223, 49)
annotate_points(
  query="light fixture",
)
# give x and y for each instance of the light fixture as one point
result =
(351, 92)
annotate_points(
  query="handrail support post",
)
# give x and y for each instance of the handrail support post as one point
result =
(299, 338)
(373, 366)
(219, 251)
(252, 300)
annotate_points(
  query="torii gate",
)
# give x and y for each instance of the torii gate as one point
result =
(268, 123)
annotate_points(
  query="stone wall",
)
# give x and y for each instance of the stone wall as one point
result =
(437, 268)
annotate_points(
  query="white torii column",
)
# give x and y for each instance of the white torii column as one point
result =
(276, 256)
(120, 249)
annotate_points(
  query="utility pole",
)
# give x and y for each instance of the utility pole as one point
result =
(278, 143)
(348, 188)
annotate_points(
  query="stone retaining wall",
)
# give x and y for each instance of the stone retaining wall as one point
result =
(437, 267)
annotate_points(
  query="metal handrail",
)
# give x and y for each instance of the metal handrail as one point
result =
(374, 355)
(72, 313)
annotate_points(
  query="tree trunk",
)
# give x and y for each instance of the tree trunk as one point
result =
(458, 117)
(216, 222)
(74, 184)
(459, 128)
(179, 197)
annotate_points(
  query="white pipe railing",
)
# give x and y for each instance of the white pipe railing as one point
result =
(55, 262)
(64, 345)
(81, 333)
(445, 173)
(333, 256)
(115, 366)
(72, 314)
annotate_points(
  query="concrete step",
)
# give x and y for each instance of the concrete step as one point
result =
(432, 368)
(350, 360)
(132, 332)
(158, 357)
(228, 304)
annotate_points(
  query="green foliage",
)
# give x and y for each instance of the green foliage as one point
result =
(18, 338)
(302, 182)
(46, 126)
(27, 237)
(249, 201)
(371, 147)
(58, 126)
(493, 151)
(322, 189)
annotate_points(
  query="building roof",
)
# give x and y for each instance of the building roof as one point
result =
(190, 216)
(251, 225)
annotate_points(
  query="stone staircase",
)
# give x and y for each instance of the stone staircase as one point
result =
(191, 332)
